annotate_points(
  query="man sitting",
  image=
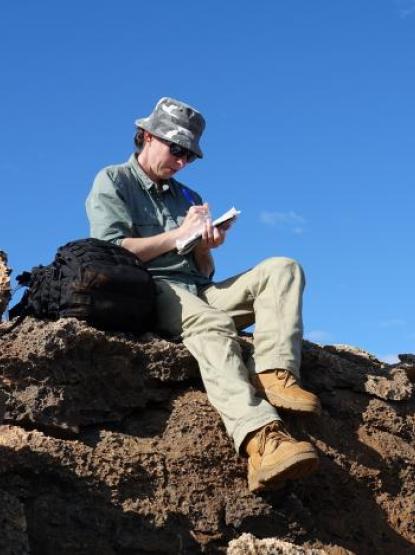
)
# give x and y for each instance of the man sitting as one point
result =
(140, 206)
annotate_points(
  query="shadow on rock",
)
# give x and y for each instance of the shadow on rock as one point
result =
(71, 515)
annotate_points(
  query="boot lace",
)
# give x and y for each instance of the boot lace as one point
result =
(289, 379)
(272, 435)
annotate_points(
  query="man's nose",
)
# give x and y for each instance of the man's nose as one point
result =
(181, 162)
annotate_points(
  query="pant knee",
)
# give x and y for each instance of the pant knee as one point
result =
(283, 264)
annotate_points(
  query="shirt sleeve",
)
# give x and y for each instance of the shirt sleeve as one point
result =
(109, 217)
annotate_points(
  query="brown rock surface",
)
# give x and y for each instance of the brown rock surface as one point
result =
(247, 544)
(109, 445)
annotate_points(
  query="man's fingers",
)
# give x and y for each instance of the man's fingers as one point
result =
(219, 236)
(198, 209)
(209, 231)
(211, 236)
(226, 225)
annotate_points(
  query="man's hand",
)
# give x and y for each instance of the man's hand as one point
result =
(198, 220)
(212, 237)
(194, 221)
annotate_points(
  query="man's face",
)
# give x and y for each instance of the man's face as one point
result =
(161, 162)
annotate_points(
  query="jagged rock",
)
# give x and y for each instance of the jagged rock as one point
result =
(324, 370)
(407, 364)
(247, 544)
(354, 354)
(4, 283)
(407, 359)
(65, 374)
(149, 468)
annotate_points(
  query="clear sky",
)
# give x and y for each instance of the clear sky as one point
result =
(310, 111)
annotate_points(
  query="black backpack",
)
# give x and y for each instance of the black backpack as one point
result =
(92, 280)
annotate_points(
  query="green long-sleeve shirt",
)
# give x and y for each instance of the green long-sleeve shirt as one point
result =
(125, 202)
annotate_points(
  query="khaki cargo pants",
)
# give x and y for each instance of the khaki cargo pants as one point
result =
(269, 295)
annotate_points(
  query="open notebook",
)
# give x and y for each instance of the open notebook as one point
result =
(186, 245)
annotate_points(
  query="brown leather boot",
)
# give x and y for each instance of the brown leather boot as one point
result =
(281, 389)
(275, 456)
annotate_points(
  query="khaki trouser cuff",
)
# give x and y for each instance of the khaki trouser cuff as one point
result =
(282, 363)
(249, 426)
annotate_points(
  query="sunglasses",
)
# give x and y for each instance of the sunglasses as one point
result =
(179, 151)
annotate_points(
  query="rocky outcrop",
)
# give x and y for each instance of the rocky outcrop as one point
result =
(109, 445)
(247, 544)
(64, 375)
(4, 283)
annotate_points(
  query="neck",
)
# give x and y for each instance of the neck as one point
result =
(142, 159)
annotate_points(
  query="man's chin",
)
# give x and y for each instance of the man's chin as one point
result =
(168, 172)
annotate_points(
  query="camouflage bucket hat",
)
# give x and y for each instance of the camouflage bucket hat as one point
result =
(176, 122)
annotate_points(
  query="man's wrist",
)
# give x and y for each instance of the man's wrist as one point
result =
(174, 235)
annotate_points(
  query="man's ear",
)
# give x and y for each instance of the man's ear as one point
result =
(147, 137)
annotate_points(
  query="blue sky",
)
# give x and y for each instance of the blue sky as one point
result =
(310, 133)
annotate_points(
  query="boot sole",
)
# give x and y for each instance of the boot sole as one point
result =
(293, 468)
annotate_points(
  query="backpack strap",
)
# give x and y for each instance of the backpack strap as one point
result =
(54, 292)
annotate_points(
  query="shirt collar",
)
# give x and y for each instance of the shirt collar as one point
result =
(146, 181)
